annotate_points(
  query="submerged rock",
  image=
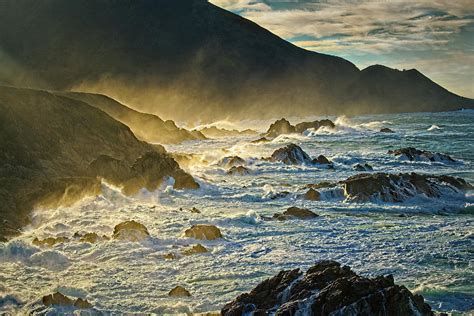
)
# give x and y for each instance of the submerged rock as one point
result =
(130, 231)
(295, 212)
(260, 140)
(328, 288)
(239, 170)
(321, 185)
(364, 167)
(291, 155)
(62, 300)
(169, 256)
(312, 195)
(399, 188)
(203, 231)
(90, 237)
(232, 161)
(414, 154)
(50, 241)
(322, 160)
(179, 291)
(386, 130)
(195, 249)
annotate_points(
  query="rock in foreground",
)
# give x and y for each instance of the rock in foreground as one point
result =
(328, 288)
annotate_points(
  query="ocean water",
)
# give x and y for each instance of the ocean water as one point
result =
(430, 249)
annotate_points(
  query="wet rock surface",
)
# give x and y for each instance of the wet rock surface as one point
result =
(414, 154)
(312, 195)
(328, 288)
(49, 242)
(291, 155)
(295, 212)
(232, 161)
(386, 130)
(283, 126)
(130, 231)
(195, 250)
(203, 231)
(400, 187)
(60, 299)
(179, 291)
(322, 160)
(238, 171)
(362, 167)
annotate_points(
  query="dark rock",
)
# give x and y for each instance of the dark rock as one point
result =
(321, 185)
(280, 127)
(295, 212)
(50, 241)
(90, 237)
(291, 155)
(328, 289)
(169, 256)
(386, 130)
(301, 127)
(322, 160)
(399, 188)
(312, 195)
(412, 154)
(62, 300)
(364, 167)
(204, 232)
(179, 291)
(195, 250)
(239, 170)
(260, 140)
(130, 231)
(279, 195)
(215, 132)
(233, 161)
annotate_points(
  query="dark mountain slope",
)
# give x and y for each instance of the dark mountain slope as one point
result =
(147, 127)
(54, 150)
(187, 60)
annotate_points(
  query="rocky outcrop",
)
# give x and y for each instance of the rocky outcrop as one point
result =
(215, 132)
(386, 130)
(231, 161)
(130, 231)
(195, 250)
(414, 154)
(90, 237)
(179, 291)
(397, 188)
(295, 212)
(260, 140)
(283, 126)
(362, 167)
(50, 241)
(291, 155)
(203, 231)
(322, 160)
(328, 288)
(312, 195)
(59, 299)
(238, 171)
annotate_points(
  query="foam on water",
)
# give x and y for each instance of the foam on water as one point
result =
(428, 249)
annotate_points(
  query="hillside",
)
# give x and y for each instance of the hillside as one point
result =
(193, 62)
(54, 150)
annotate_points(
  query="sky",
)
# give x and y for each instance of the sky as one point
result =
(435, 37)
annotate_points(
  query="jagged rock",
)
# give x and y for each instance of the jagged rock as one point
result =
(412, 154)
(50, 241)
(279, 195)
(312, 195)
(204, 232)
(280, 127)
(322, 160)
(328, 289)
(215, 132)
(291, 155)
(239, 170)
(295, 212)
(195, 210)
(321, 185)
(90, 237)
(301, 127)
(169, 256)
(399, 188)
(364, 167)
(179, 291)
(260, 140)
(130, 231)
(62, 300)
(232, 161)
(195, 249)
(386, 130)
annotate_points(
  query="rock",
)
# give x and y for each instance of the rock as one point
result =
(414, 154)
(130, 231)
(169, 256)
(50, 241)
(278, 195)
(62, 300)
(292, 212)
(179, 291)
(301, 127)
(260, 140)
(322, 160)
(195, 210)
(399, 188)
(90, 237)
(195, 249)
(386, 130)
(240, 171)
(204, 232)
(364, 167)
(215, 132)
(312, 195)
(327, 288)
(321, 185)
(232, 161)
(291, 155)
(280, 127)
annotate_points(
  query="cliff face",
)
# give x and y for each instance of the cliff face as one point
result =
(190, 60)
(47, 145)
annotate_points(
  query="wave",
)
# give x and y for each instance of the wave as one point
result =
(433, 128)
